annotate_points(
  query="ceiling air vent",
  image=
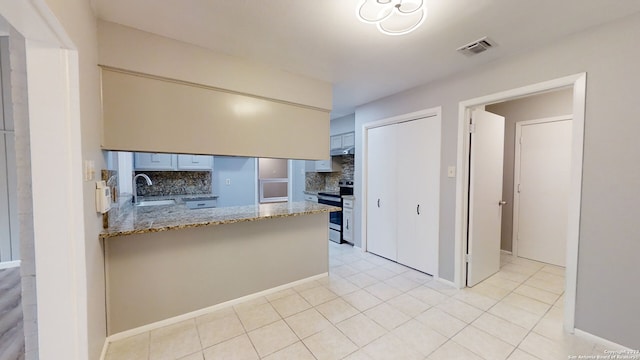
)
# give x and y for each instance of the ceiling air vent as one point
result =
(477, 46)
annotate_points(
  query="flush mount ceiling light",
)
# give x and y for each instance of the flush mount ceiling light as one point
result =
(393, 17)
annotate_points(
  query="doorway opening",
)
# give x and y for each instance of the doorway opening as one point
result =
(464, 210)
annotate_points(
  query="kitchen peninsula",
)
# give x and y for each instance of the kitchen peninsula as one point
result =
(165, 261)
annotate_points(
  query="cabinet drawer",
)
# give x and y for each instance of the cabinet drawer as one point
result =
(347, 203)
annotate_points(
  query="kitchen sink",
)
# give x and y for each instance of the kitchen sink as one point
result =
(156, 202)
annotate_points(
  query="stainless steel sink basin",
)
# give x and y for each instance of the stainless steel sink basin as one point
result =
(156, 202)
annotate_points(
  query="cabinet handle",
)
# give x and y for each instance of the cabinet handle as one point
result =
(418, 209)
(347, 224)
(378, 202)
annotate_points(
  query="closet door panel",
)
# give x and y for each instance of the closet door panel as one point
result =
(381, 191)
(418, 193)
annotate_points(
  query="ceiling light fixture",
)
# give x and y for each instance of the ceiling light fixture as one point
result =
(393, 17)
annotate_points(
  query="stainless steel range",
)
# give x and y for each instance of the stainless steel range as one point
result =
(335, 199)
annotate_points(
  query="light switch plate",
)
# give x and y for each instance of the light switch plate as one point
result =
(451, 172)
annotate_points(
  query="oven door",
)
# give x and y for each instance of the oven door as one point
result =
(335, 218)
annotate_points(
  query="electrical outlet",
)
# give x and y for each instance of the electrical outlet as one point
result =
(227, 181)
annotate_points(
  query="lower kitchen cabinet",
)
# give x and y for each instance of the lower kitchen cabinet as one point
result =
(403, 188)
(347, 220)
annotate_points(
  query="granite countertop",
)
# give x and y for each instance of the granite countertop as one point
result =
(138, 220)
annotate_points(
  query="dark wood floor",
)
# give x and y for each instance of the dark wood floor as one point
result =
(11, 325)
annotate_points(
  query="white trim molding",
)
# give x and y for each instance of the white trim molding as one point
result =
(578, 82)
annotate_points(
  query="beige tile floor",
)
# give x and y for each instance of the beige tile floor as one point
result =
(372, 308)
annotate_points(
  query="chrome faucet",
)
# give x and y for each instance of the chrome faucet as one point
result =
(135, 189)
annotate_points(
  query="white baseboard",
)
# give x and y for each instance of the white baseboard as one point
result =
(196, 313)
(358, 248)
(447, 282)
(506, 252)
(9, 264)
(610, 345)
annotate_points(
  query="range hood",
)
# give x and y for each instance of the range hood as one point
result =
(344, 151)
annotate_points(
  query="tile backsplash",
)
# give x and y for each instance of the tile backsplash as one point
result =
(315, 181)
(175, 183)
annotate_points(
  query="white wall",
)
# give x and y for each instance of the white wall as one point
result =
(343, 124)
(608, 234)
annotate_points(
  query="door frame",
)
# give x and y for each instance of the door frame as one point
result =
(578, 82)
(516, 173)
(430, 112)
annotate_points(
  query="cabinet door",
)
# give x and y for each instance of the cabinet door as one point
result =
(336, 142)
(195, 162)
(347, 224)
(323, 165)
(418, 193)
(381, 191)
(349, 139)
(154, 161)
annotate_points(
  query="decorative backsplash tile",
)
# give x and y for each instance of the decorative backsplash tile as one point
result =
(315, 181)
(174, 183)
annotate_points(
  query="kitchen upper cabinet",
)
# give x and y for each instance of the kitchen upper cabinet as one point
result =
(195, 162)
(336, 142)
(154, 161)
(331, 165)
(171, 162)
(343, 140)
(348, 139)
(403, 192)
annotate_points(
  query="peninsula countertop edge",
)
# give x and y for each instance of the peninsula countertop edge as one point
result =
(139, 220)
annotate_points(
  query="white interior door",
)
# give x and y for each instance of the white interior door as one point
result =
(419, 193)
(485, 195)
(381, 191)
(543, 164)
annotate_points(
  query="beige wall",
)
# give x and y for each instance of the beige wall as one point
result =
(192, 269)
(131, 49)
(530, 108)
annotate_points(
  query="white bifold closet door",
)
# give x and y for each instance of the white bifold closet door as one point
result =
(381, 195)
(403, 192)
(418, 194)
